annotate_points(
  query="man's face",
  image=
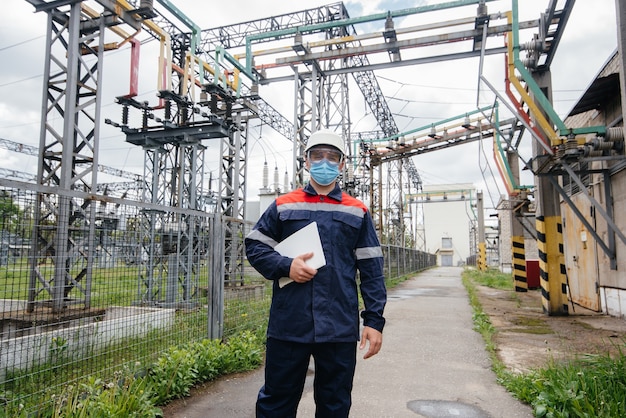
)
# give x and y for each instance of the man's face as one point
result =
(320, 152)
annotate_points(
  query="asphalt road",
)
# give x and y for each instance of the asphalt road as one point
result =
(432, 364)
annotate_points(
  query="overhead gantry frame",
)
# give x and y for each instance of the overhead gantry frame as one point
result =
(196, 60)
(68, 159)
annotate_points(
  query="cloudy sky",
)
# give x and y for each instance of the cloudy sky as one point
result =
(417, 96)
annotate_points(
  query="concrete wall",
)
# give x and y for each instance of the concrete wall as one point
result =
(593, 283)
(119, 323)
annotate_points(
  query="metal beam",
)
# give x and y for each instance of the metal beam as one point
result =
(34, 151)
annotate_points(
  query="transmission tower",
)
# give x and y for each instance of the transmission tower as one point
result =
(67, 157)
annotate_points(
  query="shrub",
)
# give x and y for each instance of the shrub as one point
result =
(138, 392)
(173, 375)
(128, 396)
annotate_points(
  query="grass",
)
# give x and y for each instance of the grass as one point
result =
(165, 350)
(34, 386)
(591, 386)
(137, 389)
(490, 278)
(588, 387)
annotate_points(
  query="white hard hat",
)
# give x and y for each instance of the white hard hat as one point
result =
(325, 137)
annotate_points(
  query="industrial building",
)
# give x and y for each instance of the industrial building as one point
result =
(594, 248)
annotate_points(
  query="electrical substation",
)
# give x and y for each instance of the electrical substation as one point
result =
(181, 243)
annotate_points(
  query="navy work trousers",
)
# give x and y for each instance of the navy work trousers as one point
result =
(286, 366)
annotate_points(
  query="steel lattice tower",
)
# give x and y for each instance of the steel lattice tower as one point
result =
(68, 155)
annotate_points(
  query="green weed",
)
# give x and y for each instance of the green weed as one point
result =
(590, 387)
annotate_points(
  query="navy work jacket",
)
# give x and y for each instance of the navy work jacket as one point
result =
(325, 309)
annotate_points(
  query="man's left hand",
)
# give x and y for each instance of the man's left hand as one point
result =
(375, 339)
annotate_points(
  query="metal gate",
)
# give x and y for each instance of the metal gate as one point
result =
(581, 255)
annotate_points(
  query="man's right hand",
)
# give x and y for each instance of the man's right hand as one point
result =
(299, 271)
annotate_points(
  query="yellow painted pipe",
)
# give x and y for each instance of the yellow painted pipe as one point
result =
(534, 109)
(500, 164)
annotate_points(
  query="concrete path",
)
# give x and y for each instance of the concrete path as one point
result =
(432, 364)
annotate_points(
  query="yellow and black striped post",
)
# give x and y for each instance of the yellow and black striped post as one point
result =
(481, 263)
(551, 265)
(549, 226)
(519, 264)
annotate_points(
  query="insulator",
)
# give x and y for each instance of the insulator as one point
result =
(389, 22)
(125, 115)
(534, 45)
(603, 145)
(530, 62)
(559, 152)
(286, 181)
(571, 143)
(589, 152)
(594, 143)
(297, 40)
(168, 110)
(184, 115)
(265, 175)
(482, 9)
(213, 104)
(615, 133)
(146, 4)
(275, 177)
(229, 110)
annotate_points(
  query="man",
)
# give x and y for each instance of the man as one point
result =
(317, 314)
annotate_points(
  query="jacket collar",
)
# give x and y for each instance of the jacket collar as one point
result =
(334, 194)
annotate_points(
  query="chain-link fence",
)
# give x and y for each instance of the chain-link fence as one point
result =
(116, 286)
(400, 261)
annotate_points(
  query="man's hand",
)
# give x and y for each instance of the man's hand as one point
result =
(375, 339)
(299, 271)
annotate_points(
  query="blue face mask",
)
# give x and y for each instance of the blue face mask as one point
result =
(324, 172)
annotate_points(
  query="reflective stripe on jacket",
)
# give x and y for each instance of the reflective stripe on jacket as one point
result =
(324, 309)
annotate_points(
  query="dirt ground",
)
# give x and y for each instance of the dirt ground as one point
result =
(528, 338)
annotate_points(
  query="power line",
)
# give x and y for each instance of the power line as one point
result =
(19, 81)
(21, 43)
